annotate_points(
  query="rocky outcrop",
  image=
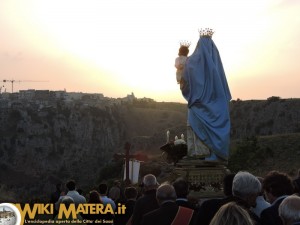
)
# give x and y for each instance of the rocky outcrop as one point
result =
(42, 145)
(60, 142)
(264, 117)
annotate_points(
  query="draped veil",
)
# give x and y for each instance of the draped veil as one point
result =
(206, 90)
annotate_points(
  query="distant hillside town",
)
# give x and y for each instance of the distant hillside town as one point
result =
(46, 98)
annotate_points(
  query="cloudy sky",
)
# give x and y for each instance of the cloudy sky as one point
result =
(116, 47)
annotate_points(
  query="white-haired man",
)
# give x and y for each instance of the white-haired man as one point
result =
(289, 210)
(245, 189)
(147, 202)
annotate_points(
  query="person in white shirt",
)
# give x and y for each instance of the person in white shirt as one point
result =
(261, 203)
(77, 198)
(103, 195)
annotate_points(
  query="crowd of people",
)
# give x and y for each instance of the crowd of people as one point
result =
(248, 200)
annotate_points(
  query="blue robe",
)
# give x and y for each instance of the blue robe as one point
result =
(206, 90)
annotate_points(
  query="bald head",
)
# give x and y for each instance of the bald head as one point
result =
(165, 192)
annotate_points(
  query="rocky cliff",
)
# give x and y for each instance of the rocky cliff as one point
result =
(40, 146)
(264, 117)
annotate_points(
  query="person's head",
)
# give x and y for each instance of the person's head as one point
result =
(277, 184)
(289, 209)
(150, 182)
(103, 189)
(247, 187)
(114, 193)
(117, 183)
(227, 184)
(231, 213)
(94, 197)
(181, 187)
(165, 192)
(71, 185)
(130, 193)
(183, 50)
(67, 200)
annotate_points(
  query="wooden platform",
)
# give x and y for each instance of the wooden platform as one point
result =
(199, 163)
(205, 177)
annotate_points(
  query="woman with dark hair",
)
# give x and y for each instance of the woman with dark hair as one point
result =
(94, 198)
(277, 186)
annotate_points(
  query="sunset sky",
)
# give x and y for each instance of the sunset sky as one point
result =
(116, 47)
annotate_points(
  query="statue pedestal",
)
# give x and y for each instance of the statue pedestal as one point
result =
(205, 177)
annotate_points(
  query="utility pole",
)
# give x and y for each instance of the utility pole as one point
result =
(12, 84)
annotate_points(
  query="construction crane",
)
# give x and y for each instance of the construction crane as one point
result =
(1, 88)
(13, 81)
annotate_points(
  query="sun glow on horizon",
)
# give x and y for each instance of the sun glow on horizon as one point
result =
(116, 47)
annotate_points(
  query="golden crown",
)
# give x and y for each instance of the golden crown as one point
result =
(206, 32)
(185, 43)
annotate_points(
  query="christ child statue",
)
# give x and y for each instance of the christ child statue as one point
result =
(181, 59)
